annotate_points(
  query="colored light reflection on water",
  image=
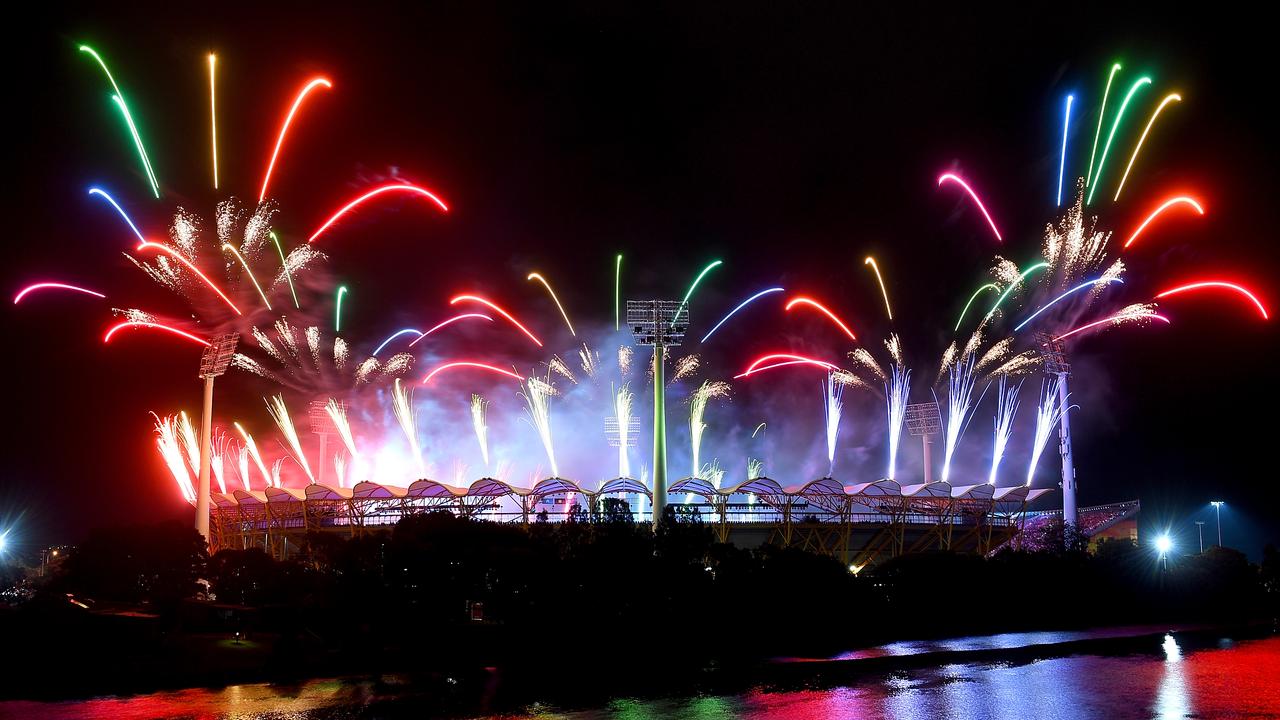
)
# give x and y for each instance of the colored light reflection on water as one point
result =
(1230, 680)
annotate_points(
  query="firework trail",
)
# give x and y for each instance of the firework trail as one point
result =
(714, 472)
(554, 299)
(557, 365)
(734, 311)
(1048, 414)
(622, 411)
(1074, 247)
(217, 455)
(684, 304)
(252, 447)
(894, 346)
(277, 470)
(538, 406)
(1133, 89)
(959, 401)
(1020, 364)
(171, 451)
(1137, 313)
(402, 404)
(684, 367)
(244, 467)
(1171, 97)
(187, 433)
(1006, 409)
(1168, 203)
(625, 355)
(338, 414)
(997, 353)
(479, 411)
(863, 357)
(951, 177)
(832, 392)
(118, 97)
(697, 410)
(896, 393)
(280, 413)
(340, 470)
(590, 361)
(948, 357)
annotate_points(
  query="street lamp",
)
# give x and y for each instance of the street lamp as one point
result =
(1164, 545)
(1200, 530)
(1217, 507)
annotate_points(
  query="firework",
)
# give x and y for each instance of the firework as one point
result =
(590, 360)
(128, 118)
(280, 413)
(684, 304)
(1138, 313)
(103, 194)
(1019, 364)
(338, 414)
(1102, 113)
(187, 433)
(625, 355)
(1009, 290)
(475, 298)
(402, 404)
(252, 448)
(622, 412)
(1047, 416)
(284, 128)
(1171, 97)
(998, 352)
(54, 286)
(832, 393)
(894, 346)
(449, 322)
(810, 302)
(337, 313)
(697, 410)
(1217, 285)
(396, 334)
(340, 470)
(755, 469)
(896, 392)
(479, 411)
(741, 305)
(1062, 164)
(1096, 282)
(170, 447)
(1170, 202)
(880, 280)
(469, 364)
(617, 293)
(974, 296)
(284, 269)
(554, 299)
(863, 357)
(243, 466)
(960, 381)
(538, 406)
(1006, 409)
(777, 360)
(1102, 160)
(684, 367)
(217, 456)
(713, 472)
(397, 188)
(951, 177)
(557, 365)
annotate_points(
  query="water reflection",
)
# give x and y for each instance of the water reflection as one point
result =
(1172, 701)
(1175, 681)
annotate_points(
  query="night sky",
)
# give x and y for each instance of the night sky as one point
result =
(791, 143)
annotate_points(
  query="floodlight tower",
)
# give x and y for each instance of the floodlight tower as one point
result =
(621, 434)
(321, 424)
(924, 420)
(214, 362)
(1055, 363)
(661, 324)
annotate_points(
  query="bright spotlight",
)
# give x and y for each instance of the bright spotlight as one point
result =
(1164, 544)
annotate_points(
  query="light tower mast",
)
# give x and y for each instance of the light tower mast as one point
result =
(214, 362)
(1055, 363)
(924, 420)
(322, 425)
(661, 324)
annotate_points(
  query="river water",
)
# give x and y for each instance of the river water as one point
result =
(1177, 676)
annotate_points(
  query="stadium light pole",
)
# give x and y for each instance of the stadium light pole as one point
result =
(1200, 530)
(1055, 363)
(214, 362)
(1217, 508)
(660, 324)
(924, 420)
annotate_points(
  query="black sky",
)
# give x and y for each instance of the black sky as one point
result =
(791, 141)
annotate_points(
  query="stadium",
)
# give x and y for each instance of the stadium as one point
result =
(861, 524)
